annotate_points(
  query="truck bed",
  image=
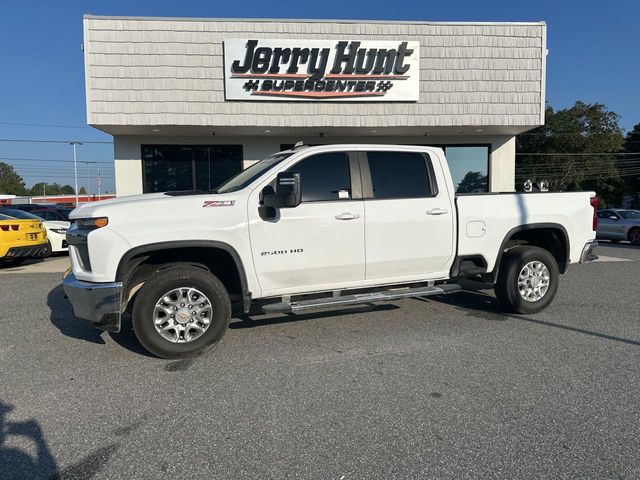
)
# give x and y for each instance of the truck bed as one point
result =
(486, 220)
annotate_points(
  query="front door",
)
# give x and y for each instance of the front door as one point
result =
(409, 220)
(318, 245)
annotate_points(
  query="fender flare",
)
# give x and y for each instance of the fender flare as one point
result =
(531, 226)
(213, 244)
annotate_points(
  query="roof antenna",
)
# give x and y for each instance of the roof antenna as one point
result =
(298, 144)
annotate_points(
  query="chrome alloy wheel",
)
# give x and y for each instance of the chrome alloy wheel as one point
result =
(533, 281)
(182, 315)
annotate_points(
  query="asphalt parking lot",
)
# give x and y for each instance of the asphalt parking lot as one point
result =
(447, 387)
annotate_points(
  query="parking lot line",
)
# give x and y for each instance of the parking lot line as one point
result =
(50, 265)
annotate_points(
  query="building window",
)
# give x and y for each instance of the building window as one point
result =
(169, 168)
(469, 165)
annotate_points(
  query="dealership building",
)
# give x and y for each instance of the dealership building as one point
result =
(192, 101)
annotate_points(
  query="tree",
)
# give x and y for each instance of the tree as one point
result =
(473, 182)
(67, 190)
(629, 165)
(583, 129)
(82, 191)
(10, 182)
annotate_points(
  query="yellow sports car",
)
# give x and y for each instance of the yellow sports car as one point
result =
(21, 239)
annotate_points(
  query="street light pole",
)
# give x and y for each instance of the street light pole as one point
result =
(75, 168)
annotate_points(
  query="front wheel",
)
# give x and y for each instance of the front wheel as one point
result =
(527, 280)
(634, 236)
(180, 312)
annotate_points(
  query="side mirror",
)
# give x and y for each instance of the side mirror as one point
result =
(288, 193)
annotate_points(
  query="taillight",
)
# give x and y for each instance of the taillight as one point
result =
(6, 228)
(594, 204)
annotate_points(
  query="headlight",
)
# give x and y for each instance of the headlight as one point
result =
(91, 223)
(60, 231)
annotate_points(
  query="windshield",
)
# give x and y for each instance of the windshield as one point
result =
(630, 214)
(244, 178)
(18, 214)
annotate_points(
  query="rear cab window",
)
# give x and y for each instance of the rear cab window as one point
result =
(396, 175)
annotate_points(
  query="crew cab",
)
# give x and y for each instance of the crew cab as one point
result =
(315, 227)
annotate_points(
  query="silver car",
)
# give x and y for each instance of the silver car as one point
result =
(617, 224)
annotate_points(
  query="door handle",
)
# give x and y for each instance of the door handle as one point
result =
(347, 216)
(437, 211)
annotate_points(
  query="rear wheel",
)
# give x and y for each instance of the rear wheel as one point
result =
(528, 279)
(634, 236)
(180, 312)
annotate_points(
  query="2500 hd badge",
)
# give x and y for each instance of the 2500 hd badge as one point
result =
(270, 253)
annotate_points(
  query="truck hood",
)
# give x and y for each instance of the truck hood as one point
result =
(163, 217)
(157, 204)
(88, 209)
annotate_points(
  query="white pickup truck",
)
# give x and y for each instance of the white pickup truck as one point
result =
(315, 227)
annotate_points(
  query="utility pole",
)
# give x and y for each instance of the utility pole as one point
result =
(88, 184)
(99, 182)
(75, 168)
(44, 190)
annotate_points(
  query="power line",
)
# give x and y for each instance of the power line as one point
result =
(44, 160)
(20, 140)
(18, 124)
(533, 154)
(58, 176)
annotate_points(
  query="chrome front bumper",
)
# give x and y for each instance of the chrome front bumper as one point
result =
(587, 252)
(100, 303)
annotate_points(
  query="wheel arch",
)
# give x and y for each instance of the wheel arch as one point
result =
(550, 236)
(206, 254)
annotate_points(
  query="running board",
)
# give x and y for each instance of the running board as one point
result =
(360, 298)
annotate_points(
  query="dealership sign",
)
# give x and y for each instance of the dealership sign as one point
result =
(321, 70)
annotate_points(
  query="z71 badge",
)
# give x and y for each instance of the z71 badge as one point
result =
(218, 203)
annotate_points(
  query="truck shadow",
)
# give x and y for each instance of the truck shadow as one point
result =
(476, 302)
(253, 321)
(62, 317)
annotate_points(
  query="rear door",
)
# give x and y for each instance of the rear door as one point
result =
(318, 245)
(409, 217)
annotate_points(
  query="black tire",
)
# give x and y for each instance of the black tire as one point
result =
(174, 278)
(513, 262)
(48, 250)
(634, 236)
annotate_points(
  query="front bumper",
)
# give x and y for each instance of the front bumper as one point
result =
(587, 252)
(100, 303)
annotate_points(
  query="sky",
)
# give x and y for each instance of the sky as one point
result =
(592, 45)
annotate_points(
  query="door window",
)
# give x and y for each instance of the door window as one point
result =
(399, 175)
(324, 177)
